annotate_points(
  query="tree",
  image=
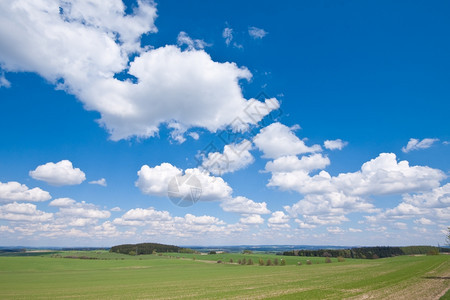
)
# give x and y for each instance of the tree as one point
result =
(275, 261)
(282, 262)
(261, 262)
(448, 236)
(250, 262)
(212, 252)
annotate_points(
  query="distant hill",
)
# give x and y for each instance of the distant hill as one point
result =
(147, 248)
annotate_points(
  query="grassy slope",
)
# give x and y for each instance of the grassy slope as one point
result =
(160, 277)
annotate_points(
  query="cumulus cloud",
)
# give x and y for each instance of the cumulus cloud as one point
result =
(303, 225)
(101, 181)
(62, 202)
(154, 181)
(334, 144)
(277, 140)
(80, 46)
(24, 212)
(13, 191)
(278, 217)
(70, 208)
(415, 144)
(243, 205)
(328, 199)
(379, 176)
(293, 163)
(251, 220)
(58, 174)
(257, 33)
(233, 158)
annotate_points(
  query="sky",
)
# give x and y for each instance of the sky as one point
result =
(224, 122)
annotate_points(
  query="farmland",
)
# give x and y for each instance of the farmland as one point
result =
(173, 275)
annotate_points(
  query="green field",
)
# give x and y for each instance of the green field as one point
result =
(117, 276)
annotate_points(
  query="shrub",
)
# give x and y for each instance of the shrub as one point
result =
(328, 260)
(132, 253)
(326, 254)
(283, 262)
(250, 262)
(275, 261)
(231, 260)
(239, 261)
(299, 263)
(261, 262)
(375, 256)
(340, 259)
(219, 261)
(244, 261)
(269, 262)
(247, 252)
(308, 262)
(212, 252)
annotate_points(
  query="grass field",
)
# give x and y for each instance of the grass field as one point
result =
(117, 276)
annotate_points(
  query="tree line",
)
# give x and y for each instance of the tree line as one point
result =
(147, 248)
(367, 252)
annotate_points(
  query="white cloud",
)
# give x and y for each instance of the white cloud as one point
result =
(335, 230)
(278, 217)
(400, 225)
(328, 199)
(233, 158)
(431, 205)
(354, 230)
(424, 221)
(277, 140)
(436, 198)
(335, 144)
(415, 144)
(82, 210)
(4, 82)
(201, 220)
(227, 34)
(292, 163)
(184, 39)
(379, 176)
(333, 205)
(251, 220)
(101, 181)
(14, 191)
(194, 135)
(4, 228)
(304, 225)
(142, 214)
(25, 212)
(61, 173)
(243, 205)
(62, 202)
(257, 33)
(82, 48)
(115, 209)
(154, 181)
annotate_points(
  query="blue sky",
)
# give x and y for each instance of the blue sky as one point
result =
(320, 122)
